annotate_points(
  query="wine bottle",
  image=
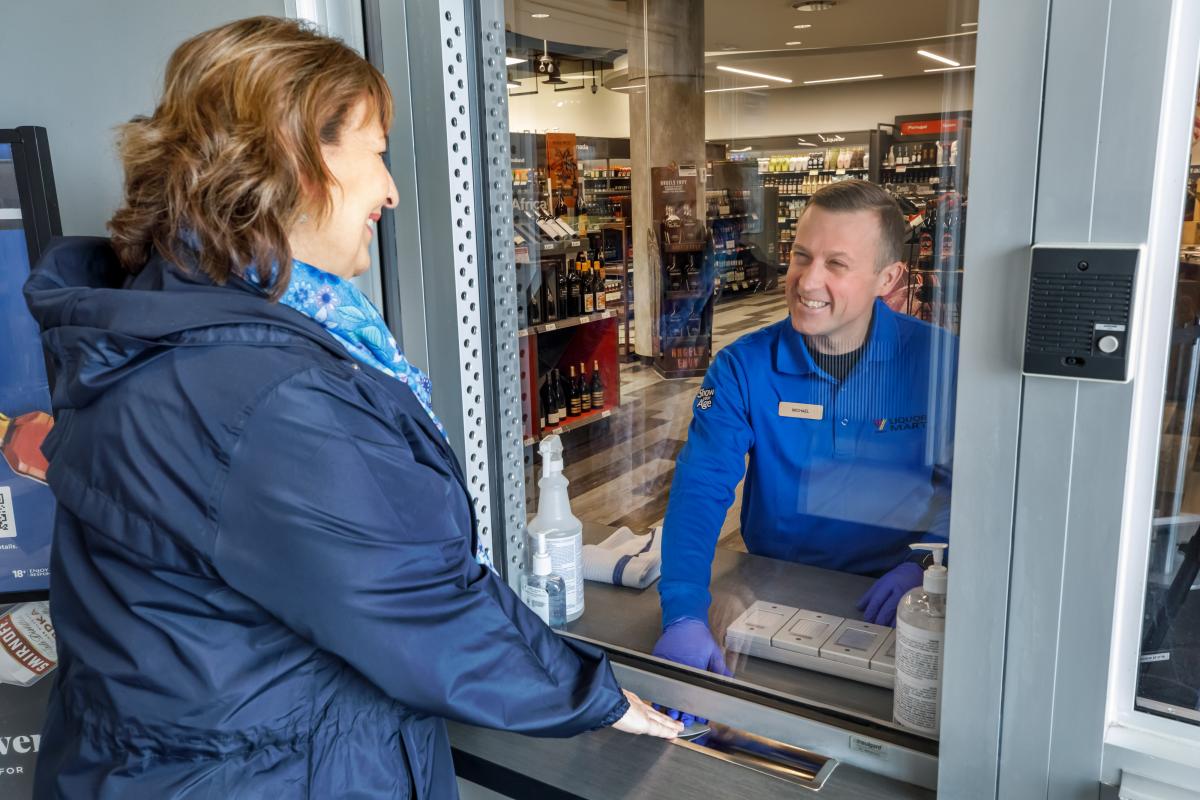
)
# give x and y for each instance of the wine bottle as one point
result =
(543, 406)
(587, 290)
(574, 398)
(560, 287)
(601, 283)
(546, 224)
(552, 415)
(549, 296)
(574, 291)
(597, 387)
(534, 298)
(562, 396)
(585, 396)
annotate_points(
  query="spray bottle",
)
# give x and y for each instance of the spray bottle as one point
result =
(543, 591)
(562, 531)
(920, 646)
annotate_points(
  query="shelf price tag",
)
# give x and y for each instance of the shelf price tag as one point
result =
(814, 172)
(841, 172)
(902, 169)
(549, 326)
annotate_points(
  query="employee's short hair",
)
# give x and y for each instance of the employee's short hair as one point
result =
(856, 195)
(231, 158)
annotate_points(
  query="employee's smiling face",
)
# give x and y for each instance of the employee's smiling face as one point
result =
(834, 277)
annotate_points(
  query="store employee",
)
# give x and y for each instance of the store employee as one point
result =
(846, 412)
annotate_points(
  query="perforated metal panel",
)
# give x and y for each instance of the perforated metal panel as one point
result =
(508, 464)
(473, 408)
(1081, 311)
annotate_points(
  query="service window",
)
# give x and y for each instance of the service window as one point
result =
(739, 244)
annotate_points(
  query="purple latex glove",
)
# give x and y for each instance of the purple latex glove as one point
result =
(689, 642)
(879, 603)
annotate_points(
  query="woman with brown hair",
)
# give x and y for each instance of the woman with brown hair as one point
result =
(265, 571)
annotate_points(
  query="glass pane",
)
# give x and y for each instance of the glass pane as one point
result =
(739, 245)
(1169, 669)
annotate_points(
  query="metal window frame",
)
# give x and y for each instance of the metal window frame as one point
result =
(1136, 742)
(1120, 85)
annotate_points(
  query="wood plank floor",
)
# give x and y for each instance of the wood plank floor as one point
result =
(620, 469)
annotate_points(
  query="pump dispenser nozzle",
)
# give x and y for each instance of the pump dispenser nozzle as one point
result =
(936, 575)
(541, 555)
(551, 449)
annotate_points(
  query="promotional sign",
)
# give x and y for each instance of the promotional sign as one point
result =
(562, 166)
(26, 504)
(926, 126)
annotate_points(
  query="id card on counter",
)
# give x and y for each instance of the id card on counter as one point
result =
(801, 410)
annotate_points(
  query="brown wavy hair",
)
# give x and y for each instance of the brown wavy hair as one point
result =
(231, 157)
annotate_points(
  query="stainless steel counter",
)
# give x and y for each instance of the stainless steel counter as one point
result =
(606, 764)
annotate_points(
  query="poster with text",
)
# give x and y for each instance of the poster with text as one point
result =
(26, 504)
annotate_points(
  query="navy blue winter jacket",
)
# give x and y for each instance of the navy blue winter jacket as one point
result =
(262, 578)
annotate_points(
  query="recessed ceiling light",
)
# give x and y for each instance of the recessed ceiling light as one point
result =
(814, 5)
(510, 60)
(738, 88)
(838, 80)
(540, 16)
(801, 27)
(936, 57)
(952, 69)
(970, 24)
(762, 75)
(792, 44)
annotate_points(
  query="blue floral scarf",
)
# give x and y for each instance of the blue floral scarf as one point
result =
(345, 312)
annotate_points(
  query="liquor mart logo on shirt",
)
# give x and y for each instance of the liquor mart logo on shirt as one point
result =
(889, 425)
(8, 519)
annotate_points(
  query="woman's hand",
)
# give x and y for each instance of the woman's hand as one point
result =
(642, 719)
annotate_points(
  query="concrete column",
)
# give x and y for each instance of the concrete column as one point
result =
(666, 126)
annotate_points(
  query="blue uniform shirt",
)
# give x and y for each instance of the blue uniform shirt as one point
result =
(842, 476)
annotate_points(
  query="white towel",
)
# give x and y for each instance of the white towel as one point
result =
(625, 559)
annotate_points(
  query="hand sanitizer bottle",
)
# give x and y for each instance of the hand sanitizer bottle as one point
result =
(920, 645)
(543, 591)
(562, 530)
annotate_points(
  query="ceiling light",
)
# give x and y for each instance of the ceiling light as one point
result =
(540, 16)
(792, 44)
(952, 69)
(838, 80)
(814, 5)
(511, 60)
(970, 24)
(801, 27)
(632, 86)
(738, 88)
(762, 75)
(936, 57)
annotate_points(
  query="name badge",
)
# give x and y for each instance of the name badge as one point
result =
(801, 411)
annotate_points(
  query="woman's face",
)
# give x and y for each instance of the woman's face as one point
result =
(340, 242)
